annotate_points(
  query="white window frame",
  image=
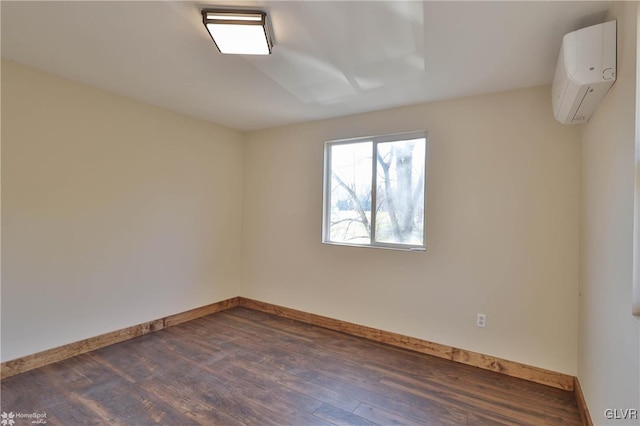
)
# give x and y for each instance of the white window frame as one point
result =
(326, 193)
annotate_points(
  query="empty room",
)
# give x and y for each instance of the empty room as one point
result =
(320, 213)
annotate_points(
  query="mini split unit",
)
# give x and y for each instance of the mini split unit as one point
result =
(586, 70)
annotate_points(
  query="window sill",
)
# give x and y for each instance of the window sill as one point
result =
(417, 249)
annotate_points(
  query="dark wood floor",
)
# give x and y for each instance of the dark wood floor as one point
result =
(246, 367)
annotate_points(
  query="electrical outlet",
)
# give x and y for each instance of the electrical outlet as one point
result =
(481, 321)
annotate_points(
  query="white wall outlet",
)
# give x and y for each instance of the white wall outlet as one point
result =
(481, 321)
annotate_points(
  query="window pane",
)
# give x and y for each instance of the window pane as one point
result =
(400, 192)
(350, 198)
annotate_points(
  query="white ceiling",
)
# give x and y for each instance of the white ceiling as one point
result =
(330, 58)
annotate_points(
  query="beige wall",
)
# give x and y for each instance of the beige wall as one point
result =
(502, 229)
(609, 349)
(113, 212)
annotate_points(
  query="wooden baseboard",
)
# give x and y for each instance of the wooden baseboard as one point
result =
(510, 368)
(40, 359)
(582, 404)
(200, 312)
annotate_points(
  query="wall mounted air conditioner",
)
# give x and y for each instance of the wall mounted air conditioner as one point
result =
(586, 70)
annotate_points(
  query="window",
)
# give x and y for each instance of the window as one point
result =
(374, 191)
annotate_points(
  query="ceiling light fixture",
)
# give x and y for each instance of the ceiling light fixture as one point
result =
(239, 32)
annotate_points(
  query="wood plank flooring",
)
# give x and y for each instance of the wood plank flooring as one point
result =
(245, 367)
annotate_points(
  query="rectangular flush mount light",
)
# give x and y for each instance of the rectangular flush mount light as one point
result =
(238, 32)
